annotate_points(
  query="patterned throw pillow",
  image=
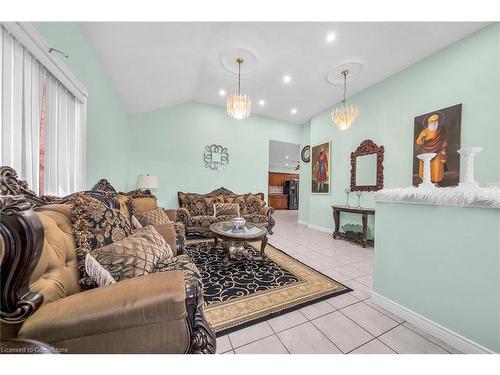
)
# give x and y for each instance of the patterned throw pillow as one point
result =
(141, 204)
(240, 199)
(152, 217)
(227, 209)
(211, 201)
(94, 225)
(195, 204)
(136, 255)
(254, 203)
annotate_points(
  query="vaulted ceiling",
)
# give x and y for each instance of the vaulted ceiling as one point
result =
(154, 65)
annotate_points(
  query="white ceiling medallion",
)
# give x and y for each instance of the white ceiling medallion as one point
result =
(355, 67)
(229, 56)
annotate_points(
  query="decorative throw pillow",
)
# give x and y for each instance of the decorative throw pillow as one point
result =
(240, 199)
(226, 209)
(142, 204)
(94, 225)
(195, 204)
(254, 203)
(152, 217)
(136, 255)
(211, 201)
(96, 272)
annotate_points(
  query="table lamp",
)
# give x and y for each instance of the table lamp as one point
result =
(146, 182)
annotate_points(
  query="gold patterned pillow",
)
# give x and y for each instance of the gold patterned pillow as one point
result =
(195, 204)
(94, 225)
(211, 201)
(136, 255)
(254, 203)
(240, 199)
(152, 217)
(227, 209)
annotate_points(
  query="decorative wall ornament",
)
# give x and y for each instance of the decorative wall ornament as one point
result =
(448, 196)
(215, 157)
(306, 154)
(467, 154)
(438, 132)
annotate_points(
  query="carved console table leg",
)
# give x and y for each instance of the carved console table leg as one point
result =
(364, 219)
(336, 218)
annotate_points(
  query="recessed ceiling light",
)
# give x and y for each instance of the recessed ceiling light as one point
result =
(222, 92)
(294, 111)
(287, 78)
(261, 102)
(330, 37)
(286, 156)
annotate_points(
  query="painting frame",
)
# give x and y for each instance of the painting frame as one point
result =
(318, 187)
(444, 140)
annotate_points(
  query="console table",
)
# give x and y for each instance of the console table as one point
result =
(353, 236)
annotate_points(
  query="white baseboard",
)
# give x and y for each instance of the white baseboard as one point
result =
(446, 335)
(316, 227)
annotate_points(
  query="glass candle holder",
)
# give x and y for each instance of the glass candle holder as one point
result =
(347, 192)
(358, 193)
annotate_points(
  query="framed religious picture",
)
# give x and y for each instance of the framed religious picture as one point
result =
(320, 168)
(438, 132)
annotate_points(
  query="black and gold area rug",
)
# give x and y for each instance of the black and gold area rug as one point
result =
(251, 290)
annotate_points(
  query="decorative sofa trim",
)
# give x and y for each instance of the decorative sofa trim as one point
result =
(199, 224)
(22, 234)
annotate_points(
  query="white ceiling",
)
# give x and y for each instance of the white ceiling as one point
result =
(154, 65)
(283, 154)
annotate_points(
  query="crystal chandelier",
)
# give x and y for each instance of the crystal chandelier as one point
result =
(344, 115)
(239, 106)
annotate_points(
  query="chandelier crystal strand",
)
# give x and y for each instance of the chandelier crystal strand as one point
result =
(239, 106)
(344, 115)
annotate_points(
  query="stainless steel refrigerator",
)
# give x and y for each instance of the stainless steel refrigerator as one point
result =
(292, 189)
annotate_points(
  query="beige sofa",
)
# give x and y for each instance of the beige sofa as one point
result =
(41, 298)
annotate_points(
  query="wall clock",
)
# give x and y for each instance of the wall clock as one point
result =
(215, 157)
(306, 154)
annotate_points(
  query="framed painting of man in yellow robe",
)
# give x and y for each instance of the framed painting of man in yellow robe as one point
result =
(438, 132)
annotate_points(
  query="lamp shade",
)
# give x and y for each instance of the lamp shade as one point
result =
(147, 182)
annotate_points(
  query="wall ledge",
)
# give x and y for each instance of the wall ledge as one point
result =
(446, 335)
(480, 197)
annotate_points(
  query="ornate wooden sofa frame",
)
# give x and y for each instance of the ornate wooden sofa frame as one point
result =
(22, 242)
(201, 227)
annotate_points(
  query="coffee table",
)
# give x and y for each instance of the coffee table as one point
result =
(228, 234)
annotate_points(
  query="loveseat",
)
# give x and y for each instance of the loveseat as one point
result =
(41, 299)
(196, 211)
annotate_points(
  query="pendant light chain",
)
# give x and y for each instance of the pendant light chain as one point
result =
(344, 73)
(239, 76)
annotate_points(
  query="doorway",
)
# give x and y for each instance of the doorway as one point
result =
(283, 176)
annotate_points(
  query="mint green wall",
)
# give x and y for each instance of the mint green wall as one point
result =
(107, 119)
(466, 72)
(447, 268)
(305, 176)
(169, 143)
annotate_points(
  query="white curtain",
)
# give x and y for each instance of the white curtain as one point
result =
(25, 82)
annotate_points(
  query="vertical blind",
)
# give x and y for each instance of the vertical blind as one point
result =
(42, 124)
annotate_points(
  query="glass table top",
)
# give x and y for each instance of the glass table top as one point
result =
(228, 229)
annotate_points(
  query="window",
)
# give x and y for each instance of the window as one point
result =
(42, 121)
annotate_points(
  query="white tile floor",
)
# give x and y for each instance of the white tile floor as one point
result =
(349, 323)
